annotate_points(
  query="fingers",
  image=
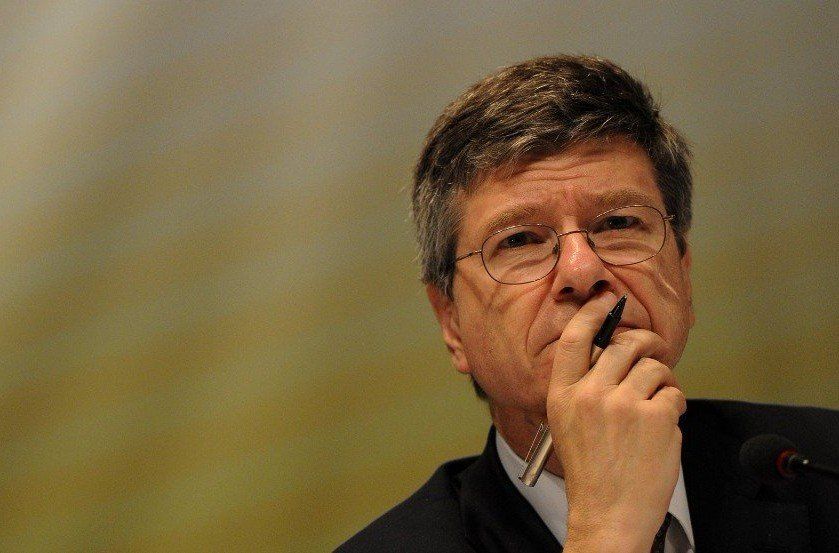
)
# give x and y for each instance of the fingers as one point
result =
(631, 366)
(646, 377)
(624, 351)
(670, 400)
(573, 349)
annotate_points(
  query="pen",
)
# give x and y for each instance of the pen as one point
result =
(542, 444)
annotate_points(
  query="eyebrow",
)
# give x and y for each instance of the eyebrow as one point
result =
(511, 216)
(622, 197)
(526, 211)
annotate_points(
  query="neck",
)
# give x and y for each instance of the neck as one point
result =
(518, 427)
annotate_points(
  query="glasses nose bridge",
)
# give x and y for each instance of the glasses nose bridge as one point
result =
(559, 235)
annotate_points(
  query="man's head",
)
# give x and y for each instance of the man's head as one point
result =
(568, 137)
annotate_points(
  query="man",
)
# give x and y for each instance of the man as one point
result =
(543, 194)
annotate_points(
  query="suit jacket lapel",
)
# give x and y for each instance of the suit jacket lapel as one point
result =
(728, 510)
(495, 516)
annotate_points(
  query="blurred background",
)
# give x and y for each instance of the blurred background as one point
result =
(212, 334)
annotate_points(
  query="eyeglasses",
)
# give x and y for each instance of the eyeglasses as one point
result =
(526, 253)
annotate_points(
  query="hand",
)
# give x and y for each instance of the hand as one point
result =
(615, 431)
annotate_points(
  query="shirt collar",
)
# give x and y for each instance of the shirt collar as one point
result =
(548, 499)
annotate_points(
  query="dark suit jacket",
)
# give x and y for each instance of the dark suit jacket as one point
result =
(470, 504)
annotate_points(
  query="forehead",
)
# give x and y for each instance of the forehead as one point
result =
(582, 181)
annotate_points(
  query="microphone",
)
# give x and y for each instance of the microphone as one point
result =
(771, 459)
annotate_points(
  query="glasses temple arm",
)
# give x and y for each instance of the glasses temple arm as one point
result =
(468, 254)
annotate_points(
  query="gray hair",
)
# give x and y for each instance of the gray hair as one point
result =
(538, 107)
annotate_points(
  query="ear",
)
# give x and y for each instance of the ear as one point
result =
(686, 262)
(447, 316)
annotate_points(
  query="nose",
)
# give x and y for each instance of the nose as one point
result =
(579, 272)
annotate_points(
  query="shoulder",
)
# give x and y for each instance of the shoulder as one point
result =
(759, 413)
(811, 428)
(429, 520)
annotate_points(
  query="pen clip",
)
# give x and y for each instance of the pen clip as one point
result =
(541, 432)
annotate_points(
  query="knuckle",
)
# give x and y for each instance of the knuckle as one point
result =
(673, 402)
(629, 341)
(647, 364)
(675, 394)
(653, 369)
(639, 341)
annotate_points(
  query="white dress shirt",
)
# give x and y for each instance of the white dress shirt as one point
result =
(548, 499)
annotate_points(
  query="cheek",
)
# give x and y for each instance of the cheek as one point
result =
(675, 295)
(507, 312)
(664, 296)
(495, 343)
(499, 329)
(660, 289)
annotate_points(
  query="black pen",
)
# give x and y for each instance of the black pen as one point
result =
(539, 451)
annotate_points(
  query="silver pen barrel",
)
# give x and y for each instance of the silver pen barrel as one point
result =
(538, 456)
(542, 444)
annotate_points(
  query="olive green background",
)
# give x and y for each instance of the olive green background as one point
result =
(212, 335)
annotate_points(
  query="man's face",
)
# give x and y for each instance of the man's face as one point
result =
(505, 335)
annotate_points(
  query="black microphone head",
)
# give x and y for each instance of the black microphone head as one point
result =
(760, 456)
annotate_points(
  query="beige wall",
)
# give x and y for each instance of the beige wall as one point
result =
(211, 331)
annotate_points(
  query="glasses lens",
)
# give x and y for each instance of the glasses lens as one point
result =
(627, 235)
(520, 254)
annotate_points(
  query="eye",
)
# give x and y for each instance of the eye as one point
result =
(617, 222)
(520, 239)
